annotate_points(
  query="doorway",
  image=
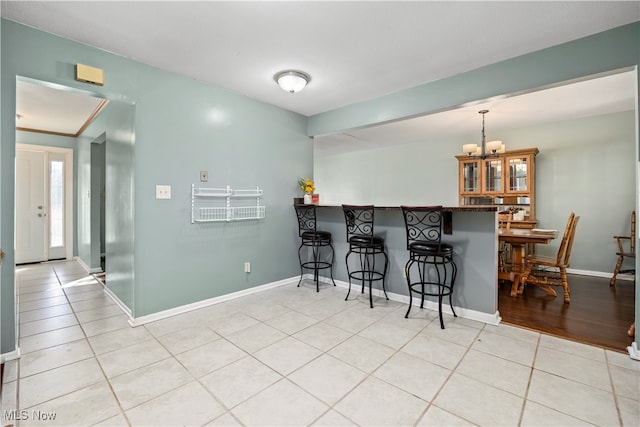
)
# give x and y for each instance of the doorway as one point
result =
(98, 202)
(53, 115)
(44, 203)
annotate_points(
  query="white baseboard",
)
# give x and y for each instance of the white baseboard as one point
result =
(603, 274)
(126, 310)
(12, 355)
(491, 319)
(634, 351)
(137, 321)
(86, 267)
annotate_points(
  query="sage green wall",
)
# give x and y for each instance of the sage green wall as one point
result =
(117, 123)
(600, 53)
(7, 290)
(181, 127)
(581, 167)
(83, 202)
(586, 166)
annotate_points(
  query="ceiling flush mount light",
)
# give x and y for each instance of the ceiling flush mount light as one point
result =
(291, 80)
(486, 149)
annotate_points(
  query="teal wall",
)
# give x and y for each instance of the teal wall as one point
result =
(7, 290)
(600, 53)
(83, 202)
(181, 127)
(586, 166)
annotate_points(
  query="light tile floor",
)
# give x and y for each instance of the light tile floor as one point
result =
(291, 356)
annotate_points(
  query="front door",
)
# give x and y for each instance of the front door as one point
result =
(41, 205)
(31, 208)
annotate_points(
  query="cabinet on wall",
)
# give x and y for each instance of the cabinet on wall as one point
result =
(505, 180)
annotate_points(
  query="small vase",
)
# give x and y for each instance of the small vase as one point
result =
(307, 199)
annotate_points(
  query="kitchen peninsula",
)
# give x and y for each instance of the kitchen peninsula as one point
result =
(473, 236)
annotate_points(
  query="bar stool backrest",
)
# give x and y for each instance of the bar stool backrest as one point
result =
(306, 218)
(359, 220)
(423, 224)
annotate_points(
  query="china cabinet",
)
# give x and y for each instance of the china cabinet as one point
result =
(505, 180)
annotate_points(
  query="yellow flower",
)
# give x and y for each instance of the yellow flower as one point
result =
(306, 185)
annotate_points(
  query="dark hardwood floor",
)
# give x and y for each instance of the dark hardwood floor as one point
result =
(598, 314)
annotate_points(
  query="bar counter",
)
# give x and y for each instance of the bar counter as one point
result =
(476, 208)
(475, 242)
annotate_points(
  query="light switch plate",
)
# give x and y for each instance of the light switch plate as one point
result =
(163, 191)
(204, 176)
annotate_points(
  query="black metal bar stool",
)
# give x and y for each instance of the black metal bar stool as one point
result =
(359, 220)
(428, 253)
(315, 240)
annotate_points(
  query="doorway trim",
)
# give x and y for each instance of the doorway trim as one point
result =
(68, 189)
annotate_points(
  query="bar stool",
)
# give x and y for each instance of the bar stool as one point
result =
(428, 253)
(359, 220)
(315, 240)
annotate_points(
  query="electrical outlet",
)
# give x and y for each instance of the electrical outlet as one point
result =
(204, 176)
(247, 267)
(163, 191)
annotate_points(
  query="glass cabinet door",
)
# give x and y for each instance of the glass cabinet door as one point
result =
(518, 173)
(470, 177)
(493, 176)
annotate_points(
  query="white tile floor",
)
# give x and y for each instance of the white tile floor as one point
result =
(291, 356)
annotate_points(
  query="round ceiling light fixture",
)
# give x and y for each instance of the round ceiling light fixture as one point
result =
(291, 80)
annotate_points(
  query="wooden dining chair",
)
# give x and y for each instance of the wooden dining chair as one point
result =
(546, 271)
(624, 252)
(504, 249)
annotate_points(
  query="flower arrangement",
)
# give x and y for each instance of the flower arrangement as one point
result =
(306, 185)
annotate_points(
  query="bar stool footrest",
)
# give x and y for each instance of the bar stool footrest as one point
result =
(316, 265)
(448, 289)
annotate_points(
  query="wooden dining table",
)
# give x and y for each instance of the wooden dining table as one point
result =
(519, 238)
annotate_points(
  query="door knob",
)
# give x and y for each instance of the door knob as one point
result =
(40, 215)
(40, 207)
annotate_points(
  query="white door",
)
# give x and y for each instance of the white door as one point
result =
(31, 211)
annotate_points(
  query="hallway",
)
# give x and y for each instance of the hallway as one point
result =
(291, 356)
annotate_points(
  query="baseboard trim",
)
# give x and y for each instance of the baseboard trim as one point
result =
(137, 321)
(634, 351)
(86, 267)
(12, 355)
(491, 319)
(126, 310)
(602, 274)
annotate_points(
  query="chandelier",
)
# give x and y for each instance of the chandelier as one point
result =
(486, 149)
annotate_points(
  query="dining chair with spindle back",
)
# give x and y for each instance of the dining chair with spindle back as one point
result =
(546, 271)
(625, 251)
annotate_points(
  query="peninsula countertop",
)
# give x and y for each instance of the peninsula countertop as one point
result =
(444, 208)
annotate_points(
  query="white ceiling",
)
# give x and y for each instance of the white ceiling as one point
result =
(354, 51)
(47, 109)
